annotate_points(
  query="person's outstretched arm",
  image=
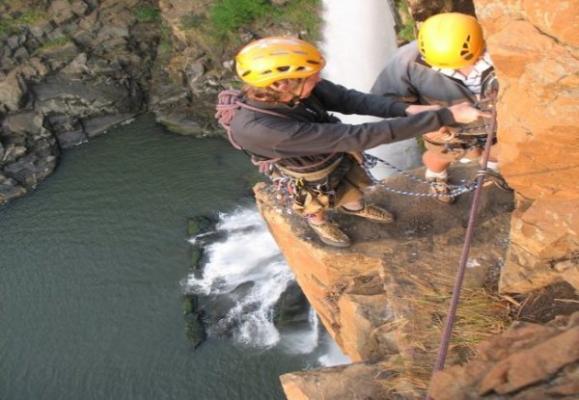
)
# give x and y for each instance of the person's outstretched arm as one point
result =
(348, 101)
(274, 137)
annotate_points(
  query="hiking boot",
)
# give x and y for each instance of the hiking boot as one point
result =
(493, 177)
(440, 188)
(371, 212)
(331, 234)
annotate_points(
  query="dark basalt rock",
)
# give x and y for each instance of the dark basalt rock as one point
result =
(292, 306)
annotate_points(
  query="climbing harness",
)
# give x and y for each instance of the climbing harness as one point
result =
(315, 178)
(228, 102)
(451, 314)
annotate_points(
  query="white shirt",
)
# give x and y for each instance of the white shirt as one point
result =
(473, 80)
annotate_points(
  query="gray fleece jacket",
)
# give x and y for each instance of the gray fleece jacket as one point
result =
(307, 129)
(407, 78)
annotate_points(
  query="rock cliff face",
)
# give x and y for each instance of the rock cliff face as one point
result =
(69, 70)
(534, 46)
(529, 361)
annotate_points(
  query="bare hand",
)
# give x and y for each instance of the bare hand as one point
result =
(464, 113)
(415, 109)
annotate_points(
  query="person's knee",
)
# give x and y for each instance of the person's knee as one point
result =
(434, 163)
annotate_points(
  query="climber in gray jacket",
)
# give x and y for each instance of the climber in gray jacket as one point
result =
(285, 125)
(448, 64)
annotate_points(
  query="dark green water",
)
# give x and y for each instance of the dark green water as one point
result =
(90, 271)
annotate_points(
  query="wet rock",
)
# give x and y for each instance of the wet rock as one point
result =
(99, 125)
(24, 171)
(82, 98)
(194, 329)
(200, 224)
(70, 139)
(292, 306)
(180, 123)
(196, 226)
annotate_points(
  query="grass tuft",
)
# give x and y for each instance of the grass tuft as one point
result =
(147, 13)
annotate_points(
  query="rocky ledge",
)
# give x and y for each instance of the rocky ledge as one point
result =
(384, 298)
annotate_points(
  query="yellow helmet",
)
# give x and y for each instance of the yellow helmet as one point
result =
(264, 61)
(451, 40)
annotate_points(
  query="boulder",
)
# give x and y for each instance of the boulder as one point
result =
(23, 123)
(292, 306)
(83, 98)
(61, 11)
(101, 124)
(70, 139)
(11, 93)
(529, 361)
(352, 382)
(9, 189)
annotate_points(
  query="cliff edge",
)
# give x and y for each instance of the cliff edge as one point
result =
(385, 297)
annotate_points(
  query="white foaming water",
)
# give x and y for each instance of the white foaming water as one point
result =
(249, 256)
(359, 39)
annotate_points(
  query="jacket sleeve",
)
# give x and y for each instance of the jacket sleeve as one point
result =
(395, 81)
(280, 137)
(348, 101)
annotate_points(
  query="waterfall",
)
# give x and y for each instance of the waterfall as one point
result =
(244, 276)
(358, 41)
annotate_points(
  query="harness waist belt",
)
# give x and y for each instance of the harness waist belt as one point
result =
(311, 176)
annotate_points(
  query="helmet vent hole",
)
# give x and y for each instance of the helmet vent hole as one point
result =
(468, 57)
(313, 62)
(463, 52)
(300, 68)
(468, 38)
(268, 71)
(283, 68)
(245, 74)
(465, 45)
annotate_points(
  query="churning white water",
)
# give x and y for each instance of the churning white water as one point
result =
(359, 39)
(249, 258)
(246, 256)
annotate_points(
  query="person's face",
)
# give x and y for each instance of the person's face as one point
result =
(309, 85)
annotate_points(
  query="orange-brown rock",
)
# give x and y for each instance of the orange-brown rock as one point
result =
(387, 294)
(533, 44)
(355, 381)
(529, 361)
